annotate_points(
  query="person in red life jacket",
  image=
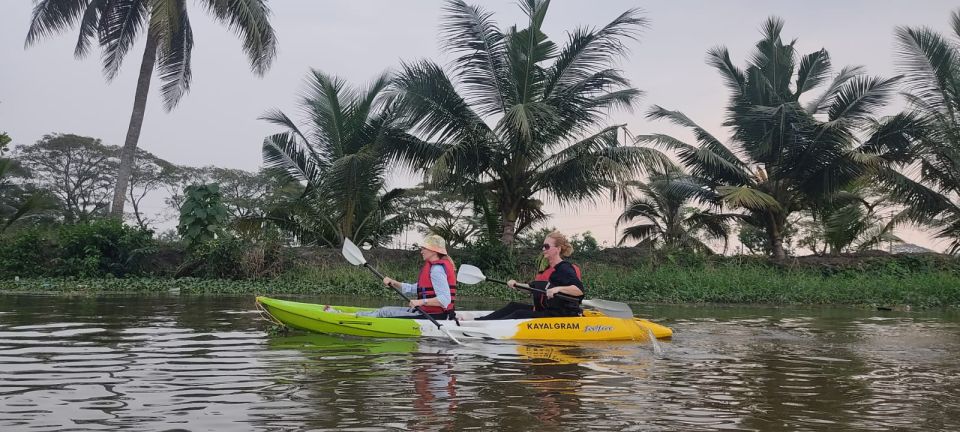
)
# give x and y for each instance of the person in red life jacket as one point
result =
(436, 288)
(560, 277)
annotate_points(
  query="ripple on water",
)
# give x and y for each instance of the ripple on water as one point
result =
(152, 366)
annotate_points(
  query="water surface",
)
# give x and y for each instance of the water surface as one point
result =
(207, 363)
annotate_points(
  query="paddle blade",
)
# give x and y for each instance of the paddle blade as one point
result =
(610, 308)
(470, 275)
(352, 253)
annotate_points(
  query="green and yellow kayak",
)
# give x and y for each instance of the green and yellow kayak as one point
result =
(341, 320)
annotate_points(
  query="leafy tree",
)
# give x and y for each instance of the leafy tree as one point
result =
(165, 24)
(518, 116)
(78, 171)
(202, 216)
(150, 173)
(442, 212)
(340, 160)
(584, 242)
(784, 155)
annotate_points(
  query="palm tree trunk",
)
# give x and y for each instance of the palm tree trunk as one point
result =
(508, 226)
(775, 235)
(133, 130)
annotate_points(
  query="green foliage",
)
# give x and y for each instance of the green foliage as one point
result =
(929, 63)
(203, 216)
(584, 243)
(100, 248)
(29, 252)
(918, 280)
(79, 171)
(490, 254)
(341, 162)
(668, 219)
(4, 140)
(122, 23)
(508, 120)
(235, 258)
(784, 154)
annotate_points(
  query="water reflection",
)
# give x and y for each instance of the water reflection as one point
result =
(160, 363)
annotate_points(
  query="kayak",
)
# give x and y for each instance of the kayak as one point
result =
(341, 320)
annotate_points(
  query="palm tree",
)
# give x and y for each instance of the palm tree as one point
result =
(784, 155)
(338, 156)
(669, 218)
(116, 25)
(518, 116)
(931, 65)
(850, 220)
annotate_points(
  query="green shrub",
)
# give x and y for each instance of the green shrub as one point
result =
(95, 249)
(27, 253)
(235, 258)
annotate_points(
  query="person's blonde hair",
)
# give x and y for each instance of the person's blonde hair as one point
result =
(560, 240)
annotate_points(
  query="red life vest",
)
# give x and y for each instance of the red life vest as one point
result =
(425, 286)
(540, 301)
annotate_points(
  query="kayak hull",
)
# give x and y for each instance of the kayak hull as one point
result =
(340, 320)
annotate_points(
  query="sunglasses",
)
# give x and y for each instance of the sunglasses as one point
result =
(545, 246)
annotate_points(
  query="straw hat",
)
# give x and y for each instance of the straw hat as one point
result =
(435, 243)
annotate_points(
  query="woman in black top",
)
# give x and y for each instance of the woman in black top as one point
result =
(560, 277)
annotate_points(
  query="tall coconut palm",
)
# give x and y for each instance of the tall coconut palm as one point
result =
(785, 154)
(337, 154)
(518, 116)
(665, 205)
(116, 25)
(930, 182)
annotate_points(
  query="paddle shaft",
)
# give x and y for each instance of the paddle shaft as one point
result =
(538, 290)
(399, 293)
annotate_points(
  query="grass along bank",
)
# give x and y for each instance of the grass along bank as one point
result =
(919, 281)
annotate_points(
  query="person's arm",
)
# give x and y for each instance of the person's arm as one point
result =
(565, 280)
(402, 286)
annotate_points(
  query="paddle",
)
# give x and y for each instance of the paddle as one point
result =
(353, 254)
(470, 275)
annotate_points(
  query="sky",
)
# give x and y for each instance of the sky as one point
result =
(44, 89)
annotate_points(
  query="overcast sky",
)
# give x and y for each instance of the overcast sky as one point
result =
(44, 89)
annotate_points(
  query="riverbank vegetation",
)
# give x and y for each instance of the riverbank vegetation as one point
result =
(517, 119)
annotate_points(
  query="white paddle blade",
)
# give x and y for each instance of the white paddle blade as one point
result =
(470, 275)
(352, 253)
(610, 308)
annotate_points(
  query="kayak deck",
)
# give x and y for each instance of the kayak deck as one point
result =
(341, 320)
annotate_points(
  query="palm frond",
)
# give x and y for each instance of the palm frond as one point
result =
(588, 52)
(120, 24)
(50, 17)
(748, 198)
(482, 67)
(823, 101)
(89, 25)
(930, 65)
(172, 25)
(733, 76)
(860, 97)
(639, 232)
(814, 68)
(249, 19)
(434, 107)
(701, 162)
